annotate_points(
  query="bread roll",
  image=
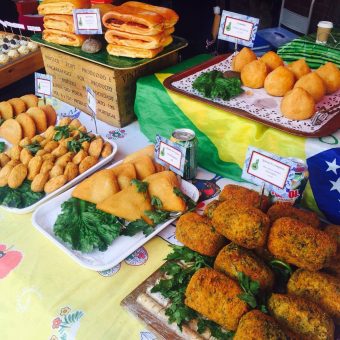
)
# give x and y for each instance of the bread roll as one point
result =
(63, 38)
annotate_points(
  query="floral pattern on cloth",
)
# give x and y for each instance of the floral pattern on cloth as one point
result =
(110, 272)
(116, 134)
(9, 259)
(66, 324)
(138, 257)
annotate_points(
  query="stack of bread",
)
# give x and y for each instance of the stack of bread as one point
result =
(58, 21)
(300, 88)
(138, 30)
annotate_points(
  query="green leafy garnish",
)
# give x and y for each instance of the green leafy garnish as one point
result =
(1, 121)
(61, 132)
(33, 148)
(135, 227)
(74, 145)
(189, 202)
(21, 197)
(85, 227)
(2, 146)
(156, 202)
(251, 292)
(141, 186)
(213, 85)
(174, 288)
(84, 137)
(282, 270)
(157, 216)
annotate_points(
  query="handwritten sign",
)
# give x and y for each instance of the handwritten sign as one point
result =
(43, 84)
(238, 28)
(87, 21)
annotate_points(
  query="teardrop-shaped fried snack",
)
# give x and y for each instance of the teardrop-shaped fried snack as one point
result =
(98, 187)
(124, 173)
(279, 81)
(299, 68)
(272, 60)
(330, 74)
(313, 84)
(244, 57)
(254, 74)
(128, 204)
(161, 185)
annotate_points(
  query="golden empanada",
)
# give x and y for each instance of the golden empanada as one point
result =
(125, 173)
(148, 151)
(144, 166)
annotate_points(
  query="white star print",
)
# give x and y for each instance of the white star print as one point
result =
(336, 185)
(332, 166)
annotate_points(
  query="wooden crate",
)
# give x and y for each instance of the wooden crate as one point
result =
(20, 68)
(115, 89)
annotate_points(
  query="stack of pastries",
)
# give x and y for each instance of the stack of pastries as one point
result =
(138, 30)
(300, 88)
(58, 21)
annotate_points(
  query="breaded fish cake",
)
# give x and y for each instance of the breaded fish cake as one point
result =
(256, 325)
(246, 226)
(302, 316)
(321, 288)
(233, 259)
(210, 207)
(334, 264)
(197, 233)
(215, 296)
(305, 247)
(241, 195)
(286, 209)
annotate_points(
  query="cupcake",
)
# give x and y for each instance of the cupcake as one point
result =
(32, 46)
(13, 54)
(23, 50)
(4, 58)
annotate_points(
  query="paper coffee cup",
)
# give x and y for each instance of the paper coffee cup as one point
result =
(324, 29)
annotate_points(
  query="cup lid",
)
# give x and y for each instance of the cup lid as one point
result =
(325, 24)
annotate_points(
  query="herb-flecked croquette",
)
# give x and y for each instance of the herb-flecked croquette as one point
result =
(305, 247)
(197, 233)
(256, 325)
(238, 195)
(215, 296)
(233, 259)
(210, 207)
(334, 264)
(321, 288)
(303, 317)
(245, 226)
(284, 209)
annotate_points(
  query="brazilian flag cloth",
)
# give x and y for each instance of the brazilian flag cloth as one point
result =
(224, 138)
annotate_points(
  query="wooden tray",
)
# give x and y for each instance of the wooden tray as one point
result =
(20, 68)
(104, 59)
(328, 128)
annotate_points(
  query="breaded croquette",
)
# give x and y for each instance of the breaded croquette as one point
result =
(305, 247)
(285, 209)
(210, 207)
(256, 325)
(303, 317)
(241, 195)
(334, 264)
(197, 233)
(215, 296)
(246, 226)
(321, 288)
(233, 259)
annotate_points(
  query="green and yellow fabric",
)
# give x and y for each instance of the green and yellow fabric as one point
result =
(223, 137)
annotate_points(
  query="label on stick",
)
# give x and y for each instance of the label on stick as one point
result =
(43, 84)
(33, 28)
(87, 21)
(91, 100)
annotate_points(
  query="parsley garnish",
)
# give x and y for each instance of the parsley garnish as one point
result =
(189, 202)
(2, 146)
(136, 226)
(156, 202)
(74, 145)
(33, 148)
(251, 293)
(84, 137)
(141, 186)
(62, 132)
(157, 216)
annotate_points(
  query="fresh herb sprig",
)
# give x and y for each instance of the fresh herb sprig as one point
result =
(74, 145)
(156, 202)
(140, 185)
(252, 294)
(137, 226)
(34, 147)
(2, 146)
(191, 205)
(61, 132)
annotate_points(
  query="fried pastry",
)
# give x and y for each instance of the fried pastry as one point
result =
(6, 110)
(27, 124)
(279, 81)
(299, 68)
(244, 57)
(124, 173)
(18, 105)
(313, 84)
(254, 74)
(330, 75)
(272, 60)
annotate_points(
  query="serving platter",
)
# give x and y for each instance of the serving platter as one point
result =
(257, 105)
(101, 163)
(45, 216)
(104, 59)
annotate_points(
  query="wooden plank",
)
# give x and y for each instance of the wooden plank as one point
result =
(21, 68)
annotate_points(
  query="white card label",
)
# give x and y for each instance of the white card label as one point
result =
(238, 28)
(3, 23)
(43, 84)
(170, 155)
(33, 28)
(91, 99)
(87, 21)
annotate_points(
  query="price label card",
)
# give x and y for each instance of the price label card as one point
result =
(3, 23)
(284, 177)
(43, 84)
(91, 100)
(87, 21)
(170, 154)
(33, 28)
(238, 28)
